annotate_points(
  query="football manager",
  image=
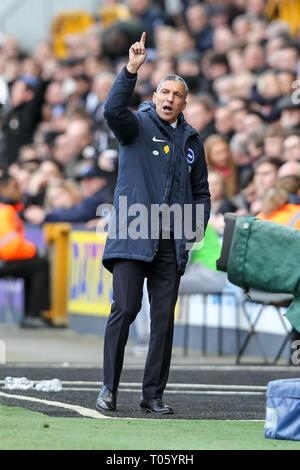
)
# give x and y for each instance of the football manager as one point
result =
(162, 163)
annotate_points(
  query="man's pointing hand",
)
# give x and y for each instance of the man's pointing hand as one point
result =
(137, 55)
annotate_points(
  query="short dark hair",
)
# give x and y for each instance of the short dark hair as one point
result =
(4, 179)
(219, 58)
(272, 160)
(58, 165)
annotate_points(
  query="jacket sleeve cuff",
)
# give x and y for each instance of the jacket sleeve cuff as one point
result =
(129, 74)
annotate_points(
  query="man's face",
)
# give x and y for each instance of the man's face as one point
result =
(12, 192)
(197, 116)
(291, 148)
(170, 100)
(89, 186)
(265, 178)
(19, 93)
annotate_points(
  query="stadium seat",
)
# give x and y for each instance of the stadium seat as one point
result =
(69, 22)
(264, 300)
(285, 10)
(110, 14)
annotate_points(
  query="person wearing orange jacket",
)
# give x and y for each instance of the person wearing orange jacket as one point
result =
(275, 207)
(19, 257)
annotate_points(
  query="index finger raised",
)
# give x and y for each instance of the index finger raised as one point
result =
(143, 38)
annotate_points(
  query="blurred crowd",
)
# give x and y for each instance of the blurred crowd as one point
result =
(241, 67)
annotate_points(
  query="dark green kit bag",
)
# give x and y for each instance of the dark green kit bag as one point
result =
(263, 255)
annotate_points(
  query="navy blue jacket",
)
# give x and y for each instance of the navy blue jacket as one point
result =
(157, 164)
(81, 212)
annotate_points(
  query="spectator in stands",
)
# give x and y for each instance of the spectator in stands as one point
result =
(218, 66)
(273, 142)
(83, 87)
(28, 158)
(49, 171)
(291, 184)
(266, 93)
(236, 60)
(21, 120)
(224, 122)
(223, 39)
(183, 41)
(254, 58)
(102, 136)
(287, 57)
(241, 27)
(241, 155)
(291, 147)
(54, 100)
(93, 188)
(243, 83)
(224, 88)
(189, 68)
(290, 113)
(255, 144)
(62, 194)
(247, 194)
(288, 179)
(265, 177)
(200, 114)
(79, 136)
(198, 24)
(116, 39)
(221, 201)
(289, 168)
(285, 81)
(220, 198)
(275, 208)
(101, 86)
(19, 257)
(253, 121)
(219, 158)
(150, 15)
(240, 108)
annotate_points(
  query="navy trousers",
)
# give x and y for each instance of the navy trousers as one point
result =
(162, 283)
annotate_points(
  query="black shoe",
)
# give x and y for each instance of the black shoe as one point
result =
(156, 405)
(107, 400)
(33, 322)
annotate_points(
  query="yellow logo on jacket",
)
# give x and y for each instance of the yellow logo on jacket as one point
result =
(166, 149)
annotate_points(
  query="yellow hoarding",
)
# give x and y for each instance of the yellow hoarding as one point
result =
(90, 284)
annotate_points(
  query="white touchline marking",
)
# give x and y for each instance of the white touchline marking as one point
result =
(244, 420)
(177, 385)
(170, 385)
(86, 412)
(186, 392)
